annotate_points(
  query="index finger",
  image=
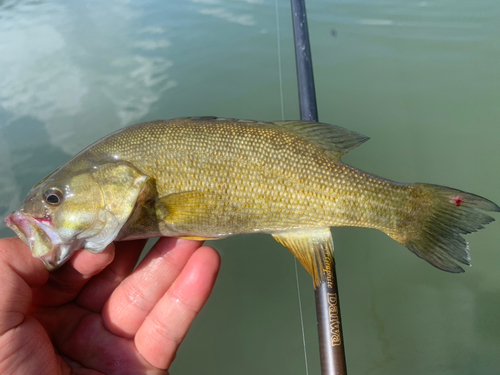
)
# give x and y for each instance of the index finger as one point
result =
(65, 283)
(97, 291)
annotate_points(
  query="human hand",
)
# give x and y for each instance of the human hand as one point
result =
(95, 315)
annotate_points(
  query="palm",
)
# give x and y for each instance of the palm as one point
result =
(94, 316)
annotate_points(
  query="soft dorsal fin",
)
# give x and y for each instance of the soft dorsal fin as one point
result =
(335, 140)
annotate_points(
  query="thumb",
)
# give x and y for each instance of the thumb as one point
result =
(19, 272)
(24, 345)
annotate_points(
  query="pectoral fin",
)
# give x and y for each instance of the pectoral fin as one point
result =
(187, 206)
(184, 213)
(310, 247)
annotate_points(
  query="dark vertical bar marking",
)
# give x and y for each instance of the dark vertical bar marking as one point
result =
(331, 342)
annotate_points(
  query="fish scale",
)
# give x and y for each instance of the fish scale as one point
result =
(209, 178)
(226, 158)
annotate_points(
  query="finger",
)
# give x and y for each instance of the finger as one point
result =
(22, 339)
(132, 301)
(65, 283)
(19, 272)
(97, 291)
(89, 264)
(91, 346)
(166, 325)
(16, 255)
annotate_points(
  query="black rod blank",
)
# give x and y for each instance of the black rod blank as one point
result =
(305, 77)
(331, 342)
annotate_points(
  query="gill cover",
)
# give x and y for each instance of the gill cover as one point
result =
(120, 184)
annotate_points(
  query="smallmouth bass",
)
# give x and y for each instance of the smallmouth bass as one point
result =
(210, 178)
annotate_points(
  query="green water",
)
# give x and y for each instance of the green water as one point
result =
(421, 78)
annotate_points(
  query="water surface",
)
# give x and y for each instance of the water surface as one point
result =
(420, 78)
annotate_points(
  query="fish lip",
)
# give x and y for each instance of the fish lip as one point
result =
(37, 232)
(18, 222)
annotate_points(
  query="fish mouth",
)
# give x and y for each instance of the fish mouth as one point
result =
(41, 237)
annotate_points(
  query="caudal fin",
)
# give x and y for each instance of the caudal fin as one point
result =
(451, 213)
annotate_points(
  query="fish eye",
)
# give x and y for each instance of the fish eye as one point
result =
(53, 196)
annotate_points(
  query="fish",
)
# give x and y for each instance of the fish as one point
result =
(207, 178)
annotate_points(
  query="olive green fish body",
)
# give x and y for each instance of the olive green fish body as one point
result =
(251, 178)
(212, 178)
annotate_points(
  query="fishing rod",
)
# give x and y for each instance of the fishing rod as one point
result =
(331, 342)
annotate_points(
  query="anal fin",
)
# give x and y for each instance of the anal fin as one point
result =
(310, 247)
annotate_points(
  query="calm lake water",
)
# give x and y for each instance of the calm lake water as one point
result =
(421, 78)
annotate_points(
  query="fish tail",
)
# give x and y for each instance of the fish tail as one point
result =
(437, 218)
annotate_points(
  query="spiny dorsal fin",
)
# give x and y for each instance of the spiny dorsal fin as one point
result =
(310, 247)
(335, 140)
